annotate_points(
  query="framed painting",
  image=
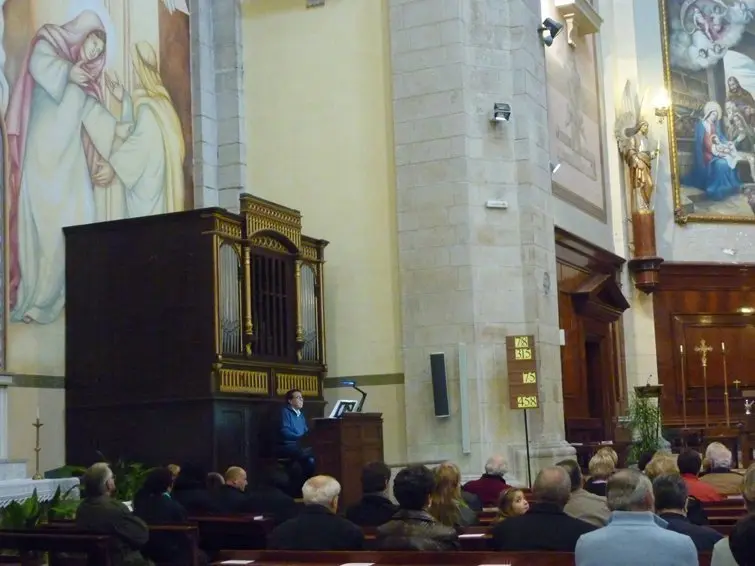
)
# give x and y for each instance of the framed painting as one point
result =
(575, 120)
(709, 72)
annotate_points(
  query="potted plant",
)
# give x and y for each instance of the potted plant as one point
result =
(645, 422)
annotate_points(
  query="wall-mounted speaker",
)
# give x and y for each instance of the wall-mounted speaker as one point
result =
(440, 388)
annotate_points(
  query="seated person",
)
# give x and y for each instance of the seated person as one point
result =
(267, 499)
(601, 467)
(412, 527)
(190, 490)
(293, 427)
(662, 464)
(375, 508)
(722, 554)
(511, 503)
(690, 463)
(490, 485)
(582, 504)
(154, 505)
(742, 543)
(719, 473)
(215, 481)
(231, 497)
(100, 513)
(447, 504)
(634, 535)
(317, 527)
(670, 494)
(544, 526)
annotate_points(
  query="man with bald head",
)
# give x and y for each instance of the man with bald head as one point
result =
(318, 527)
(491, 483)
(231, 496)
(635, 534)
(545, 526)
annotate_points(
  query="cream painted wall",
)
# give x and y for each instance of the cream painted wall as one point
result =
(388, 399)
(22, 411)
(320, 139)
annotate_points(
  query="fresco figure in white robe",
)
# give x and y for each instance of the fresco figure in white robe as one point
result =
(57, 129)
(148, 164)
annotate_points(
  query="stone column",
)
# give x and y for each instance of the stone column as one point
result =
(470, 274)
(217, 54)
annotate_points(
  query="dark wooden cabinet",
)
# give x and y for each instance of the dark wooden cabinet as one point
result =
(184, 331)
(343, 446)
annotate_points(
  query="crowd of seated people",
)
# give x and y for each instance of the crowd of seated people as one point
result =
(659, 507)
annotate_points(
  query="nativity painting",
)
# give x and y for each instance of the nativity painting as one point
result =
(96, 108)
(709, 64)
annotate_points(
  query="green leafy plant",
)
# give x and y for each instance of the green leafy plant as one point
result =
(129, 477)
(645, 422)
(66, 505)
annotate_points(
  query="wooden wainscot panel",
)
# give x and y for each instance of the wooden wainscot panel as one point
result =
(712, 302)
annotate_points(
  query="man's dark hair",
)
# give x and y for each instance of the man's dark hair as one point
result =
(413, 486)
(689, 462)
(670, 492)
(644, 459)
(375, 477)
(290, 393)
(158, 481)
(742, 541)
(575, 473)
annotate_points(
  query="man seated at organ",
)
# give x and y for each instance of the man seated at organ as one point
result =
(293, 428)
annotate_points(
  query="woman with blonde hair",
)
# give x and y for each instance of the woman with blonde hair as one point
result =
(662, 464)
(446, 502)
(611, 453)
(601, 467)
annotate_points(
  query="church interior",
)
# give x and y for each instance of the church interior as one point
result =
(466, 236)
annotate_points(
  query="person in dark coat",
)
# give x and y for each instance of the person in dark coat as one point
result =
(317, 527)
(412, 527)
(190, 490)
(231, 496)
(545, 526)
(670, 493)
(155, 506)
(489, 486)
(375, 507)
(100, 513)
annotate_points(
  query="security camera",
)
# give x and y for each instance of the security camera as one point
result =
(501, 112)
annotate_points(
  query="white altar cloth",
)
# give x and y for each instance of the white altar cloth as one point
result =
(20, 490)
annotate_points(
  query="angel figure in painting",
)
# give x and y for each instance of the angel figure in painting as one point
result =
(632, 136)
(147, 164)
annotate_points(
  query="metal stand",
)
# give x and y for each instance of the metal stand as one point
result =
(527, 448)
(37, 449)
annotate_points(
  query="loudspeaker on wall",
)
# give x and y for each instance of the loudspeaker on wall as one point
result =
(440, 387)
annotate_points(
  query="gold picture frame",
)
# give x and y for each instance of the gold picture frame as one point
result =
(681, 215)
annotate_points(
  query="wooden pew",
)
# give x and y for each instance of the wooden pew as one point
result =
(190, 532)
(270, 558)
(244, 532)
(93, 549)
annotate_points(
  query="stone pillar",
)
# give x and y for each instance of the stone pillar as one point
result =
(470, 274)
(217, 69)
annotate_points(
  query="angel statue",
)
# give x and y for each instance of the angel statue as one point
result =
(748, 407)
(632, 135)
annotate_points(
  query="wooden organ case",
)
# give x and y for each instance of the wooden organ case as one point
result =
(184, 331)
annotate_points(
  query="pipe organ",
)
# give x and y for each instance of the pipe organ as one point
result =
(184, 330)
